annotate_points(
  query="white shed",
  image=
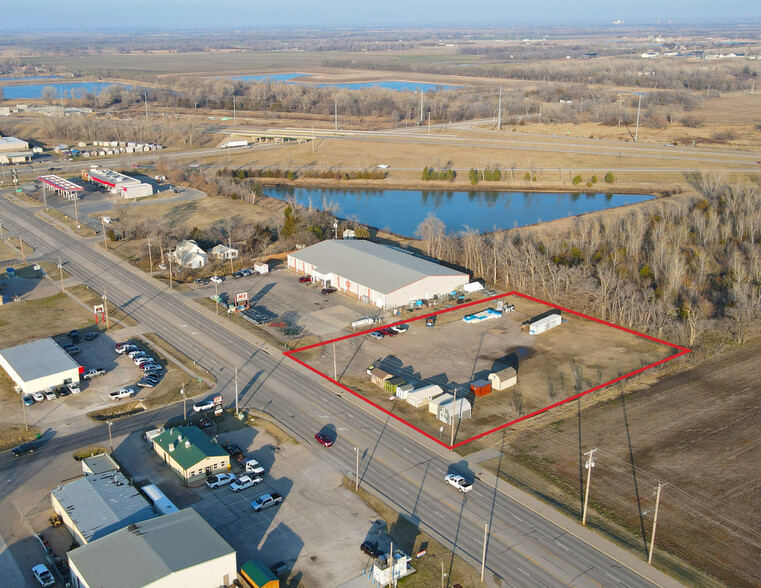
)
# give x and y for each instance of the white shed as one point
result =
(460, 408)
(544, 323)
(261, 268)
(422, 396)
(503, 379)
(433, 405)
(403, 390)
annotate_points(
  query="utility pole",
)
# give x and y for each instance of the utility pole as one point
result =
(443, 575)
(184, 396)
(170, 273)
(105, 309)
(145, 94)
(636, 130)
(236, 390)
(499, 111)
(23, 407)
(60, 270)
(356, 475)
(76, 211)
(429, 122)
(216, 296)
(103, 224)
(483, 557)
(421, 105)
(110, 442)
(312, 138)
(150, 258)
(335, 369)
(233, 110)
(655, 522)
(230, 244)
(589, 465)
(335, 111)
(21, 244)
(454, 412)
(391, 564)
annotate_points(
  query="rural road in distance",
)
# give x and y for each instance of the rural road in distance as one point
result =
(526, 548)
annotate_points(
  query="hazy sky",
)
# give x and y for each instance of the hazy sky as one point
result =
(247, 14)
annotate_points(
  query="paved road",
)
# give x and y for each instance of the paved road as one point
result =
(526, 547)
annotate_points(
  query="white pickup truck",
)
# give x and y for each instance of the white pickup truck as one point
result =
(458, 482)
(265, 501)
(122, 393)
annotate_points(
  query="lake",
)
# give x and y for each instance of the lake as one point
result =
(401, 211)
(35, 90)
(399, 86)
(32, 78)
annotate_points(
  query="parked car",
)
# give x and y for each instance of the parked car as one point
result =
(143, 383)
(458, 482)
(141, 361)
(149, 367)
(378, 335)
(72, 349)
(203, 405)
(234, 451)
(217, 480)
(133, 353)
(204, 424)
(91, 373)
(38, 396)
(403, 328)
(28, 400)
(216, 279)
(63, 392)
(370, 548)
(238, 274)
(123, 347)
(43, 575)
(254, 467)
(389, 332)
(265, 501)
(91, 335)
(202, 281)
(323, 439)
(328, 290)
(247, 481)
(305, 280)
(50, 394)
(246, 272)
(122, 393)
(73, 333)
(23, 448)
(73, 388)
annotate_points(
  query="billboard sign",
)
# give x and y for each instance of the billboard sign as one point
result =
(241, 298)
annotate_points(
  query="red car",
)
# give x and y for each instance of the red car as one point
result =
(305, 280)
(323, 439)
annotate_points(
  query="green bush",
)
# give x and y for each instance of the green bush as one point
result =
(473, 175)
(594, 179)
(527, 177)
(496, 175)
(609, 178)
(487, 175)
(589, 184)
(290, 175)
(450, 174)
(426, 174)
(576, 180)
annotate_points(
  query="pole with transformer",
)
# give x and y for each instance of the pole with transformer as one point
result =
(655, 522)
(589, 465)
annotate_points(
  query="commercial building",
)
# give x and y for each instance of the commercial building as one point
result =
(117, 183)
(171, 551)
(189, 254)
(39, 364)
(375, 274)
(61, 186)
(99, 464)
(545, 322)
(97, 505)
(190, 453)
(12, 144)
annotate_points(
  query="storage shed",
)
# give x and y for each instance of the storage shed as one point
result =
(460, 409)
(480, 387)
(545, 323)
(503, 379)
(422, 396)
(403, 390)
(378, 376)
(433, 405)
(393, 383)
(257, 575)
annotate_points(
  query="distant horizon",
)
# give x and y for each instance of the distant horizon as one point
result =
(174, 15)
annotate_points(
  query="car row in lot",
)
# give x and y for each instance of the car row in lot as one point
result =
(389, 331)
(51, 393)
(153, 372)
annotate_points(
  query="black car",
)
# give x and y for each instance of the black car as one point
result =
(23, 448)
(370, 548)
(328, 290)
(64, 391)
(238, 275)
(91, 335)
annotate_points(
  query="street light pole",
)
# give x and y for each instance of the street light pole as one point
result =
(23, 407)
(103, 225)
(110, 442)
(150, 258)
(60, 269)
(356, 477)
(236, 390)
(105, 309)
(184, 411)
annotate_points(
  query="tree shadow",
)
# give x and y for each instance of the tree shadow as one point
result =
(634, 474)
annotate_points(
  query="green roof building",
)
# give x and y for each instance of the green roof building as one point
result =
(190, 453)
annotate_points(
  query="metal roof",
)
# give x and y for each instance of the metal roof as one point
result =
(110, 177)
(60, 183)
(146, 552)
(100, 463)
(199, 449)
(380, 268)
(12, 144)
(103, 503)
(38, 359)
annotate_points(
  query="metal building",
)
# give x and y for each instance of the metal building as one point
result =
(386, 277)
(117, 183)
(39, 364)
(544, 323)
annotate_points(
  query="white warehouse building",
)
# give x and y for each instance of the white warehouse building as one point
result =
(39, 364)
(375, 274)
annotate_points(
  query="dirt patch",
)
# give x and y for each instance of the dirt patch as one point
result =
(696, 431)
(117, 412)
(13, 435)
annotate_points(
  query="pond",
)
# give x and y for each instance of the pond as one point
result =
(399, 86)
(401, 211)
(69, 89)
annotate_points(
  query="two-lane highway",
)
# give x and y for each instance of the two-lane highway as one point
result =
(526, 548)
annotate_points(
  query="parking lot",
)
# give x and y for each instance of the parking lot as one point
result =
(280, 294)
(316, 531)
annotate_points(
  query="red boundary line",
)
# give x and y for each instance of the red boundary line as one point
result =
(682, 351)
